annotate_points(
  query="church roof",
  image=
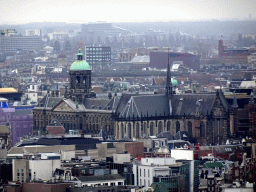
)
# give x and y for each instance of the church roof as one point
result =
(144, 105)
(80, 65)
(159, 105)
(189, 104)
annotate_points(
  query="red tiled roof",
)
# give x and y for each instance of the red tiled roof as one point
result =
(53, 130)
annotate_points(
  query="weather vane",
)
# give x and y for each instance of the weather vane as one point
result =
(80, 42)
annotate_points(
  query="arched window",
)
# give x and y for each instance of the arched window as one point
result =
(160, 127)
(137, 130)
(202, 129)
(190, 128)
(129, 130)
(177, 126)
(117, 131)
(84, 80)
(122, 130)
(168, 126)
(151, 131)
(78, 79)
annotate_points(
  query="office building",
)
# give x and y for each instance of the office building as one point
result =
(98, 57)
(14, 44)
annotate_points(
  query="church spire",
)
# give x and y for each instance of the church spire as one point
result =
(168, 88)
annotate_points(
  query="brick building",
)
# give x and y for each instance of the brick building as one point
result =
(233, 55)
(159, 59)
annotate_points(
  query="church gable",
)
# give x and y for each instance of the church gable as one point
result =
(64, 107)
(219, 106)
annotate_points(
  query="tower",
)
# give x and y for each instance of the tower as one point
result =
(220, 48)
(80, 79)
(168, 88)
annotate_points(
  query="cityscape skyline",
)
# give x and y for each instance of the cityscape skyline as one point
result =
(20, 12)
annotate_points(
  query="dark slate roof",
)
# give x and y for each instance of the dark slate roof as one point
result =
(188, 104)
(96, 103)
(49, 101)
(113, 103)
(167, 135)
(100, 178)
(181, 135)
(223, 99)
(143, 105)
(81, 143)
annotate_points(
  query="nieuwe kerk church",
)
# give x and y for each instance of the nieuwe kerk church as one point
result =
(207, 117)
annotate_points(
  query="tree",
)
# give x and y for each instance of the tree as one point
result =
(67, 46)
(99, 40)
(56, 46)
(107, 40)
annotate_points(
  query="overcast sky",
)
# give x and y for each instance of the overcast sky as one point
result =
(83, 11)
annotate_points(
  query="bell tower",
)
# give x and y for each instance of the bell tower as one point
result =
(80, 79)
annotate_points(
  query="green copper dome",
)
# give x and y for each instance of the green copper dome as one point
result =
(80, 64)
(174, 82)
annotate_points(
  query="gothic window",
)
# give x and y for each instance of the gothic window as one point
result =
(122, 130)
(202, 129)
(177, 126)
(160, 127)
(168, 126)
(144, 129)
(190, 128)
(137, 130)
(129, 130)
(151, 129)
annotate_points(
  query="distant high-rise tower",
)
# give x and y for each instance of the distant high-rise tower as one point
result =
(220, 48)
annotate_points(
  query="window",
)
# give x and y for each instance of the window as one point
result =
(190, 128)
(177, 126)
(144, 172)
(202, 129)
(140, 172)
(148, 173)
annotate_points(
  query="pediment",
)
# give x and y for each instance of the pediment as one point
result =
(63, 106)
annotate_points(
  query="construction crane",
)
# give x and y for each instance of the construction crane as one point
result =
(7, 31)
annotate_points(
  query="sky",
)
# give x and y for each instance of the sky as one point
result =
(84, 11)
